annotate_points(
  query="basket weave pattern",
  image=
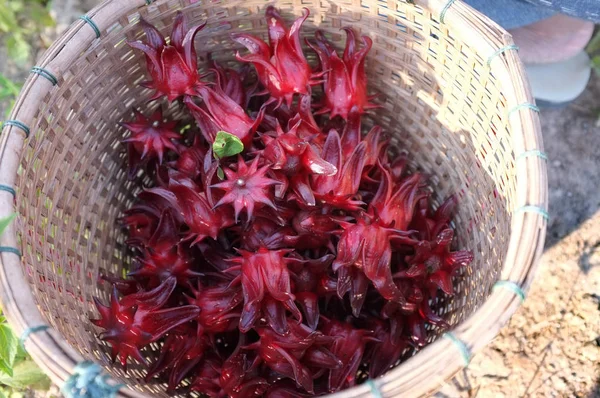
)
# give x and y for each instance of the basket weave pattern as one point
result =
(450, 99)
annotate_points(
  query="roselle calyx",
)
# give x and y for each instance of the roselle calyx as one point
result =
(278, 246)
(173, 67)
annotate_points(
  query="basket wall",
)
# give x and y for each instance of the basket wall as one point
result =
(442, 103)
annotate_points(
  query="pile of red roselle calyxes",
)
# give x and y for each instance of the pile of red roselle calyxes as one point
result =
(280, 252)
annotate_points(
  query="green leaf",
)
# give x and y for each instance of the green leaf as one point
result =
(226, 145)
(18, 48)
(220, 173)
(596, 63)
(26, 375)
(8, 20)
(4, 222)
(594, 45)
(40, 15)
(8, 87)
(8, 349)
(2, 395)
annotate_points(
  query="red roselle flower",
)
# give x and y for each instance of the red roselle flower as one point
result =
(267, 292)
(164, 257)
(296, 355)
(348, 347)
(263, 232)
(345, 84)
(351, 137)
(150, 139)
(364, 254)
(411, 324)
(395, 203)
(296, 159)
(339, 189)
(220, 307)
(196, 209)
(434, 261)
(232, 378)
(281, 65)
(232, 84)
(387, 351)
(180, 353)
(138, 320)
(173, 67)
(430, 224)
(219, 112)
(311, 279)
(246, 188)
(314, 229)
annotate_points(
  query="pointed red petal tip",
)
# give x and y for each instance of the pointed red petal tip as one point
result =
(290, 269)
(173, 67)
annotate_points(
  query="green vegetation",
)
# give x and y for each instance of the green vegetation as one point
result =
(593, 49)
(21, 24)
(18, 372)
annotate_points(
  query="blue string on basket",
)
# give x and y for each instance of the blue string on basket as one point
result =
(8, 249)
(8, 189)
(29, 331)
(533, 153)
(88, 381)
(501, 51)
(445, 10)
(18, 124)
(374, 389)
(462, 347)
(533, 209)
(526, 105)
(92, 24)
(512, 286)
(45, 74)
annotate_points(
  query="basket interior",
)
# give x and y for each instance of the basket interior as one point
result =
(440, 105)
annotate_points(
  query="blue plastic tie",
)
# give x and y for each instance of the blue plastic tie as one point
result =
(501, 51)
(45, 74)
(512, 286)
(534, 209)
(8, 189)
(148, 2)
(526, 105)
(533, 152)
(29, 331)
(88, 381)
(18, 124)
(92, 24)
(462, 347)
(374, 390)
(7, 249)
(445, 10)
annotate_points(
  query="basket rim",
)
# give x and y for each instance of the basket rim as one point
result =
(440, 359)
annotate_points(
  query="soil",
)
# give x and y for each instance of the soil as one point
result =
(551, 347)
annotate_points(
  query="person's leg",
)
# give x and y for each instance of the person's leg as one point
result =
(554, 39)
(511, 13)
(551, 44)
(516, 13)
(585, 9)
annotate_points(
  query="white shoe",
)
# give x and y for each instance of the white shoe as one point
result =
(559, 83)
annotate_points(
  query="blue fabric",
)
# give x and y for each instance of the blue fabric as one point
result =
(516, 13)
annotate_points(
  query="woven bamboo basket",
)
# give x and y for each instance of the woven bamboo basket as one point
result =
(454, 94)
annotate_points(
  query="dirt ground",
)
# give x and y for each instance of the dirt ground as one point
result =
(551, 347)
